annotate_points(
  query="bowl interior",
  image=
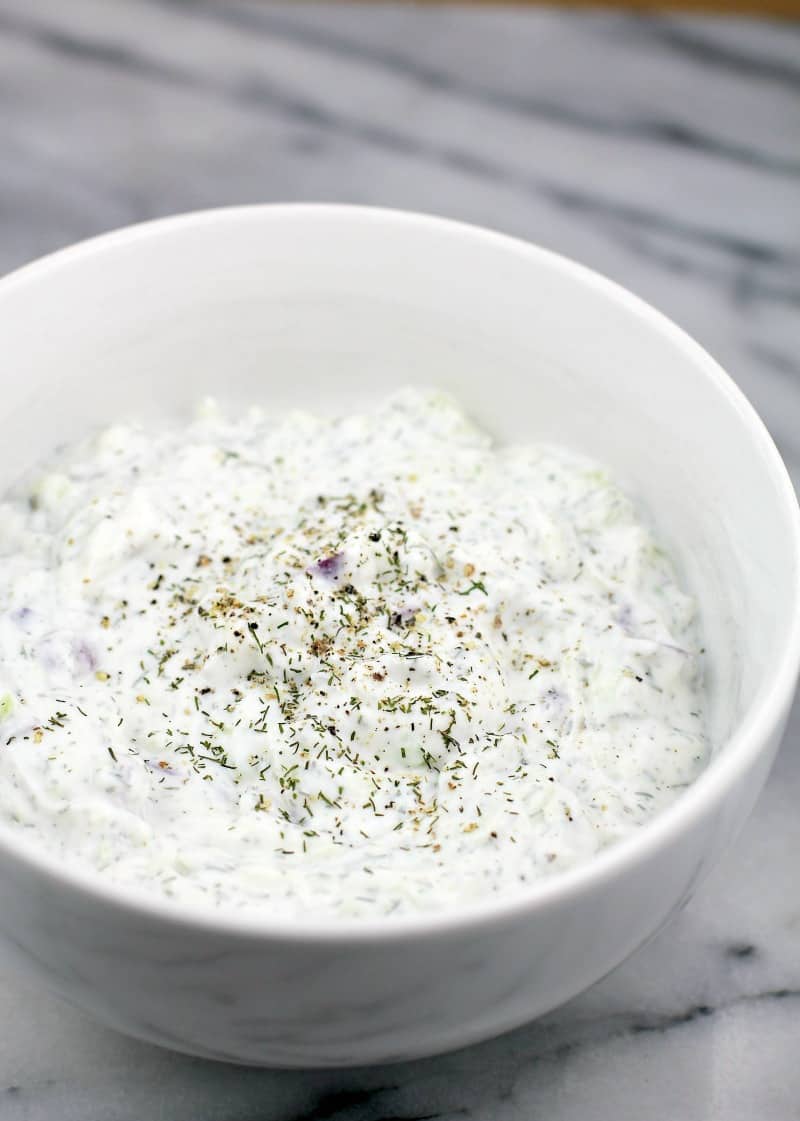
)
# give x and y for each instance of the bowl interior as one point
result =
(325, 307)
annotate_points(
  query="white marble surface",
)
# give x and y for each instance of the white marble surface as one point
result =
(665, 153)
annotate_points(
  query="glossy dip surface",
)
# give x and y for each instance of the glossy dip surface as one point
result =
(355, 666)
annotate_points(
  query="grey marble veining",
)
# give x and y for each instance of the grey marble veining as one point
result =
(664, 152)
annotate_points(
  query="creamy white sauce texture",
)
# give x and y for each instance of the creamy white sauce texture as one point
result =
(337, 667)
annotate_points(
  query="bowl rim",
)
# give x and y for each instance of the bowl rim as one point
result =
(740, 750)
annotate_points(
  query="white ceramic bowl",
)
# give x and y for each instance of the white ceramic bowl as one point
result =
(325, 306)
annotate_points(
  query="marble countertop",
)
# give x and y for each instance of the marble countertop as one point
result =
(664, 152)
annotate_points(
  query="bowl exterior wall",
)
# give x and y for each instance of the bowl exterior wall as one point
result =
(290, 1002)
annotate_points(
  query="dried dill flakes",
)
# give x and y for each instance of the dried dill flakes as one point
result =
(366, 663)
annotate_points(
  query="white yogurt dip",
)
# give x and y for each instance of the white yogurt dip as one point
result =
(351, 667)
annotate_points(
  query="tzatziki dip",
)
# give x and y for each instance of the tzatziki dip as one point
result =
(355, 666)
